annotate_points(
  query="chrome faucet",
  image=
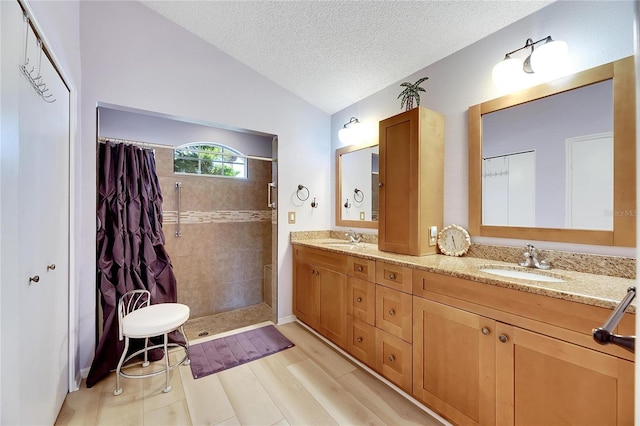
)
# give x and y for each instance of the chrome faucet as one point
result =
(354, 237)
(531, 259)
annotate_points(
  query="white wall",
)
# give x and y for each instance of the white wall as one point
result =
(597, 32)
(133, 57)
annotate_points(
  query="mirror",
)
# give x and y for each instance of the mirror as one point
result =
(556, 162)
(357, 186)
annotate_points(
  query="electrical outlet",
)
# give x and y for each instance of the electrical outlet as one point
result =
(433, 235)
(361, 215)
(292, 217)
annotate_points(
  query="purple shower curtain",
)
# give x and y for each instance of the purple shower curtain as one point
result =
(130, 243)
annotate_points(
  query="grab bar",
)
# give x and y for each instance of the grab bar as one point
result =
(604, 334)
(179, 189)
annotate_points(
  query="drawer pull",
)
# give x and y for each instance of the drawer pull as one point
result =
(503, 338)
(358, 299)
(359, 339)
(360, 268)
(392, 312)
(392, 276)
(392, 358)
(486, 331)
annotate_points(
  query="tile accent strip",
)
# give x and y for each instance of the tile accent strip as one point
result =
(191, 217)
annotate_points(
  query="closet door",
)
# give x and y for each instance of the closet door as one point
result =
(35, 305)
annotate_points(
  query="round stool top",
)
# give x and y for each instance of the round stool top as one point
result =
(155, 320)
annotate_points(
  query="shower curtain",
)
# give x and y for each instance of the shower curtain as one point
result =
(130, 243)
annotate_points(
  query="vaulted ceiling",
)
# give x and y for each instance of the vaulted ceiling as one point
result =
(335, 53)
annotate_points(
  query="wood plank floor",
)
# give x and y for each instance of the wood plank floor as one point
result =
(309, 384)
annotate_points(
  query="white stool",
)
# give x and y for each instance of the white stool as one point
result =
(138, 319)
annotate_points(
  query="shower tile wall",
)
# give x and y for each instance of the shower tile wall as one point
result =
(226, 236)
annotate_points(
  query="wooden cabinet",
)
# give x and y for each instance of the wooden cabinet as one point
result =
(574, 384)
(454, 362)
(320, 292)
(475, 369)
(411, 181)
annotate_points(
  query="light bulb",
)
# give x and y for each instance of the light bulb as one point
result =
(351, 134)
(549, 58)
(508, 73)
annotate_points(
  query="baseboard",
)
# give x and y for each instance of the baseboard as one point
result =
(287, 319)
(84, 373)
(377, 376)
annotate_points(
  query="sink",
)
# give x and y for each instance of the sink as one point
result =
(521, 274)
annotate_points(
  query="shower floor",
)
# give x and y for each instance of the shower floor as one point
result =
(197, 328)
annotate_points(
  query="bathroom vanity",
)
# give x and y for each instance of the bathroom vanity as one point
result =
(475, 347)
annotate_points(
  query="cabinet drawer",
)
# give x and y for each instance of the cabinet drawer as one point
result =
(334, 261)
(394, 312)
(361, 268)
(361, 301)
(394, 360)
(361, 340)
(394, 276)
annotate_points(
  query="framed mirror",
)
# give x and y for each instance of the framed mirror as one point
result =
(357, 186)
(556, 162)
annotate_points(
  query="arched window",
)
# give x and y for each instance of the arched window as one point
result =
(211, 159)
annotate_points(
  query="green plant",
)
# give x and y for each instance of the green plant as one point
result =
(411, 92)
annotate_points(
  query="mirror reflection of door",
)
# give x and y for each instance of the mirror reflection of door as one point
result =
(589, 192)
(509, 190)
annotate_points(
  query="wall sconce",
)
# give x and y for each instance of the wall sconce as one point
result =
(544, 59)
(351, 132)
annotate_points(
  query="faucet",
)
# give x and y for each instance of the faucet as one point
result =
(531, 259)
(354, 237)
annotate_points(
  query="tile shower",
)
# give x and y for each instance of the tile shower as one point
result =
(225, 246)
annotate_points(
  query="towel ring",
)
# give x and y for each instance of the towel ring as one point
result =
(358, 196)
(302, 188)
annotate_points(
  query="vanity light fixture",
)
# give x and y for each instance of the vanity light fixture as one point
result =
(351, 132)
(544, 59)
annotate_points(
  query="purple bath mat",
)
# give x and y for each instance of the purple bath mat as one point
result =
(226, 352)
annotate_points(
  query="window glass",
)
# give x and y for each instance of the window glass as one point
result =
(209, 159)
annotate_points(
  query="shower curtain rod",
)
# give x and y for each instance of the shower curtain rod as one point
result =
(103, 139)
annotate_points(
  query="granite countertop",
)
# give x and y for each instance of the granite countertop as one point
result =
(590, 289)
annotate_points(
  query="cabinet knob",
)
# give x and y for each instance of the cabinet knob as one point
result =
(360, 269)
(392, 276)
(380, 185)
(35, 279)
(359, 339)
(392, 358)
(51, 267)
(392, 312)
(485, 331)
(358, 299)
(503, 338)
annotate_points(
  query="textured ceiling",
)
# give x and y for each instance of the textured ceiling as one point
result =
(335, 53)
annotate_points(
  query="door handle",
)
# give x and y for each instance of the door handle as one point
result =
(270, 187)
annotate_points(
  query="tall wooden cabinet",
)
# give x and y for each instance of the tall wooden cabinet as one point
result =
(411, 181)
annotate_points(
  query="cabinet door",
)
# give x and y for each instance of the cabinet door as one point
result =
(454, 362)
(394, 359)
(332, 318)
(398, 205)
(305, 293)
(545, 381)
